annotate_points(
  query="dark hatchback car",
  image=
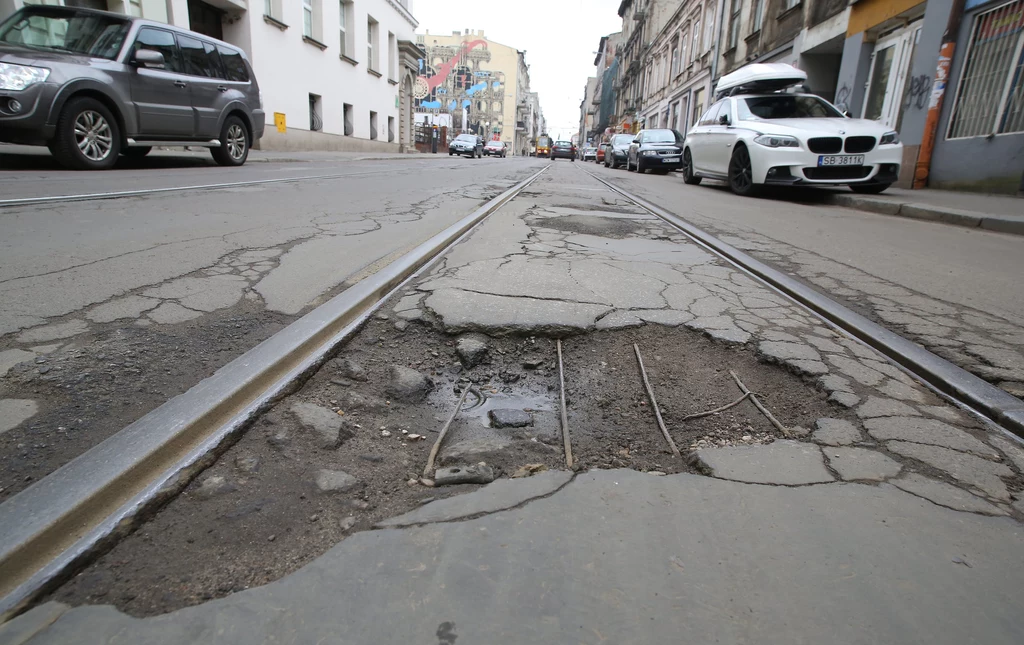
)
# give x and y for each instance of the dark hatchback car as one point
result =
(466, 144)
(616, 150)
(660, 151)
(563, 150)
(92, 85)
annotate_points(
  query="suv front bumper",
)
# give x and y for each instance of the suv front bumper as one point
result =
(29, 124)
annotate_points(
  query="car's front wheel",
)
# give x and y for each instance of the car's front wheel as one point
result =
(741, 175)
(234, 143)
(88, 137)
(869, 189)
(688, 176)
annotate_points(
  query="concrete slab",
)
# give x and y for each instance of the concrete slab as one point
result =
(127, 307)
(835, 432)
(14, 412)
(876, 406)
(943, 494)
(171, 313)
(927, 431)
(53, 332)
(11, 357)
(464, 311)
(860, 464)
(1012, 449)
(973, 471)
(858, 564)
(784, 462)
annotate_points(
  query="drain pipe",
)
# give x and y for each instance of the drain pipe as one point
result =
(931, 124)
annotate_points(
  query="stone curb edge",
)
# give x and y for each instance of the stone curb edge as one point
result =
(956, 217)
(1000, 406)
(90, 502)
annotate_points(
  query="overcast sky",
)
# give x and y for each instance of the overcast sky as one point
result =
(560, 38)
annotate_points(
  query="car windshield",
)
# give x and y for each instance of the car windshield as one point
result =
(466, 137)
(785, 106)
(61, 30)
(622, 139)
(662, 136)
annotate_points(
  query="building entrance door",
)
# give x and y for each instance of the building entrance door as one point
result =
(890, 67)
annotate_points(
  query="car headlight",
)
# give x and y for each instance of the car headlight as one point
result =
(18, 77)
(650, 153)
(890, 138)
(777, 141)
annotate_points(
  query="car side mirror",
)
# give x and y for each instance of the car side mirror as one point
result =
(149, 59)
(724, 119)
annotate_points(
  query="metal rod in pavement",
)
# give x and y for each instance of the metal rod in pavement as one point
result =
(565, 416)
(428, 470)
(654, 402)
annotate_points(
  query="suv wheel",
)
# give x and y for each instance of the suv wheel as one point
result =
(234, 143)
(88, 137)
(688, 176)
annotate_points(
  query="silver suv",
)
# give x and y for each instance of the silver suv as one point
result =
(92, 85)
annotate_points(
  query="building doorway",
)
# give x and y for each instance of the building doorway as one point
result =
(890, 68)
(206, 19)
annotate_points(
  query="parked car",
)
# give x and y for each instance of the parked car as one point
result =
(590, 152)
(617, 150)
(92, 85)
(495, 149)
(467, 144)
(759, 134)
(563, 150)
(599, 158)
(659, 150)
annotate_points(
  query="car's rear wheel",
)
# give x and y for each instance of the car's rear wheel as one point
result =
(688, 176)
(234, 143)
(869, 189)
(741, 175)
(88, 137)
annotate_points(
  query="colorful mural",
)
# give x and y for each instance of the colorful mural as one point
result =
(452, 81)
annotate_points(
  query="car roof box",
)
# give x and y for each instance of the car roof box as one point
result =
(761, 77)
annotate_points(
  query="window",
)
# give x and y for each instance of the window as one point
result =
(789, 4)
(373, 124)
(234, 64)
(307, 18)
(99, 36)
(684, 40)
(785, 106)
(990, 95)
(391, 129)
(194, 58)
(347, 114)
(758, 16)
(675, 59)
(673, 118)
(698, 104)
(734, 24)
(392, 56)
(344, 20)
(316, 119)
(709, 28)
(161, 41)
(695, 49)
(711, 116)
(372, 49)
(726, 111)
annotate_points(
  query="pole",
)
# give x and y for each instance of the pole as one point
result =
(931, 124)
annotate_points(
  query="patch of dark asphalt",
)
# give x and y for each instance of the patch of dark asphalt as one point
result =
(616, 228)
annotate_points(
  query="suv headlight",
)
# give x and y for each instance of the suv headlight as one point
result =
(890, 138)
(777, 141)
(18, 77)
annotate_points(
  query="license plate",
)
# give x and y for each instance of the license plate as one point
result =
(670, 160)
(841, 160)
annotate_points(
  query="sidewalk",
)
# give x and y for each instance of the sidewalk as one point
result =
(1001, 213)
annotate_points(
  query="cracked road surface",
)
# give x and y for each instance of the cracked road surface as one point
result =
(879, 512)
(111, 307)
(955, 291)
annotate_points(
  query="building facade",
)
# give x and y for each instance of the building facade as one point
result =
(335, 75)
(483, 85)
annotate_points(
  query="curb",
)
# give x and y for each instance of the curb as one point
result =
(954, 216)
(86, 505)
(946, 377)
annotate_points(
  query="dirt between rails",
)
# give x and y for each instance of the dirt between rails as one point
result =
(267, 517)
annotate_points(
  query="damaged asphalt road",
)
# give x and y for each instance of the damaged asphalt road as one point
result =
(111, 307)
(877, 512)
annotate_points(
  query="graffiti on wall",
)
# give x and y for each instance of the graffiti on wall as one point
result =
(452, 81)
(919, 88)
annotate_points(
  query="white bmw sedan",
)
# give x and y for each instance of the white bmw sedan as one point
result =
(784, 138)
